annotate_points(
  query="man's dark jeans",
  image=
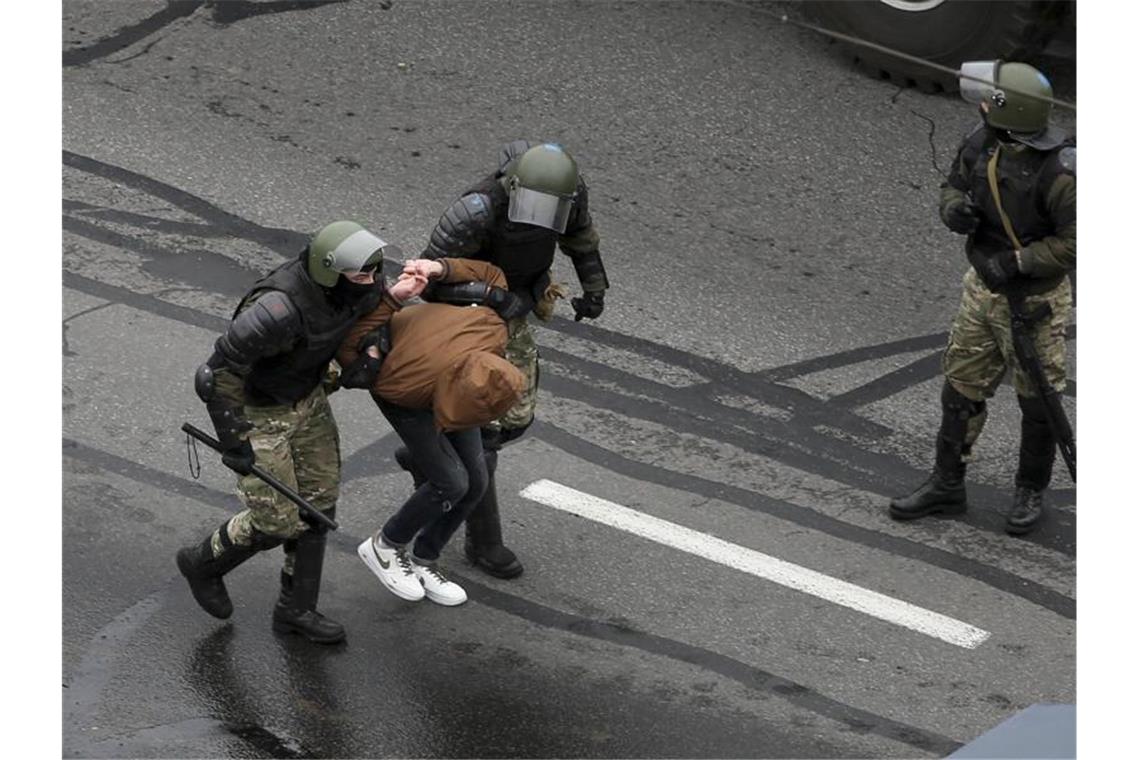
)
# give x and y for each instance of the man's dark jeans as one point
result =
(456, 476)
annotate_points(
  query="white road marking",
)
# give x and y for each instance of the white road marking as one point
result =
(755, 563)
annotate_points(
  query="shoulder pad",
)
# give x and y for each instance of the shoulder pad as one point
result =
(265, 327)
(1067, 159)
(458, 230)
(973, 145)
(475, 206)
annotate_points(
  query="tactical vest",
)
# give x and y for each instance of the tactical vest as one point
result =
(291, 376)
(1024, 177)
(525, 252)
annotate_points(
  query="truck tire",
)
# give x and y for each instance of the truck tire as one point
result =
(948, 32)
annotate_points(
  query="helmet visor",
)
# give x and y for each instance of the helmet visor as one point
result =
(361, 251)
(532, 207)
(972, 90)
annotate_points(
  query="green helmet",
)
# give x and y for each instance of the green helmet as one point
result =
(543, 183)
(1012, 109)
(343, 247)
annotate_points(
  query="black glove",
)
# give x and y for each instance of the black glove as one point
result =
(239, 458)
(361, 373)
(508, 305)
(590, 305)
(996, 269)
(963, 217)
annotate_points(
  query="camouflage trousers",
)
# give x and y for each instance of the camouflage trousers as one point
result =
(981, 344)
(300, 446)
(522, 352)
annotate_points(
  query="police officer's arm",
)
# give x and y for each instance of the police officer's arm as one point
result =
(461, 230)
(467, 270)
(1057, 253)
(464, 282)
(266, 325)
(354, 344)
(580, 242)
(954, 190)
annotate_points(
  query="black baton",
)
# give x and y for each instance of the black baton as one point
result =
(1021, 327)
(273, 482)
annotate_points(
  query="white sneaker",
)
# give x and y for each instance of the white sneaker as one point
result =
(438, 588)
(392, 567)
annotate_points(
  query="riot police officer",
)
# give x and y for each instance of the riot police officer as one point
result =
(514, 218)
(263, 391)
(1013, 192)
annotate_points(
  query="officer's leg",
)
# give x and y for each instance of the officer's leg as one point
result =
(1038, 446)
(484, 535)
(1034, 467)
(256, 528)
(945, 490)
(972, 366)
(316, 457)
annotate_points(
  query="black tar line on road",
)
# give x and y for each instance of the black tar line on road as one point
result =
(222, 12)
(748, 675)
(128, 35)
(284, 242)
(144, 221)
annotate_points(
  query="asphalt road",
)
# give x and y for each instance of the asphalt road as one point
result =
(765, 372)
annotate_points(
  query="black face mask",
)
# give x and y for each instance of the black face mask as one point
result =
(350, 292)
(1001, 134)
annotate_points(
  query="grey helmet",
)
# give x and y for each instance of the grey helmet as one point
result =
(543, 185)
(345, 248)
(1017, 99)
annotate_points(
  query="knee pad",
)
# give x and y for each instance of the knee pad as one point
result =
(263, 541)
(316, 526)
(497, 437)
(492, 438)
(958, 406)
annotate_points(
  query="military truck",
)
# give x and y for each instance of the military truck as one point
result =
(946, 32)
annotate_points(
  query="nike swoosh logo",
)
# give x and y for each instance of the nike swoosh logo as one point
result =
(379, 559)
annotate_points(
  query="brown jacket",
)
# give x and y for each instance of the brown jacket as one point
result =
(444, 357)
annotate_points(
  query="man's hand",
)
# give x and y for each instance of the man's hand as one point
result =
(963, 217)
(996, 270)
(239, 458)
(408, 286)
(426, 268)
(589, 306)
(508, 305)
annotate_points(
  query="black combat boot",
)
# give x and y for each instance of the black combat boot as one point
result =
(945, 490)
(204, 571)
(296, 608)
(1027, 510)
(484, 534)
(1034, 468)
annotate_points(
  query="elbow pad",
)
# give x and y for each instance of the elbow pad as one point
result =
(227, 414)
(267, 327)
(591, 273)
(458, 293)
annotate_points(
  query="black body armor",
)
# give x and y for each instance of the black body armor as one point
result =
(326, 317)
